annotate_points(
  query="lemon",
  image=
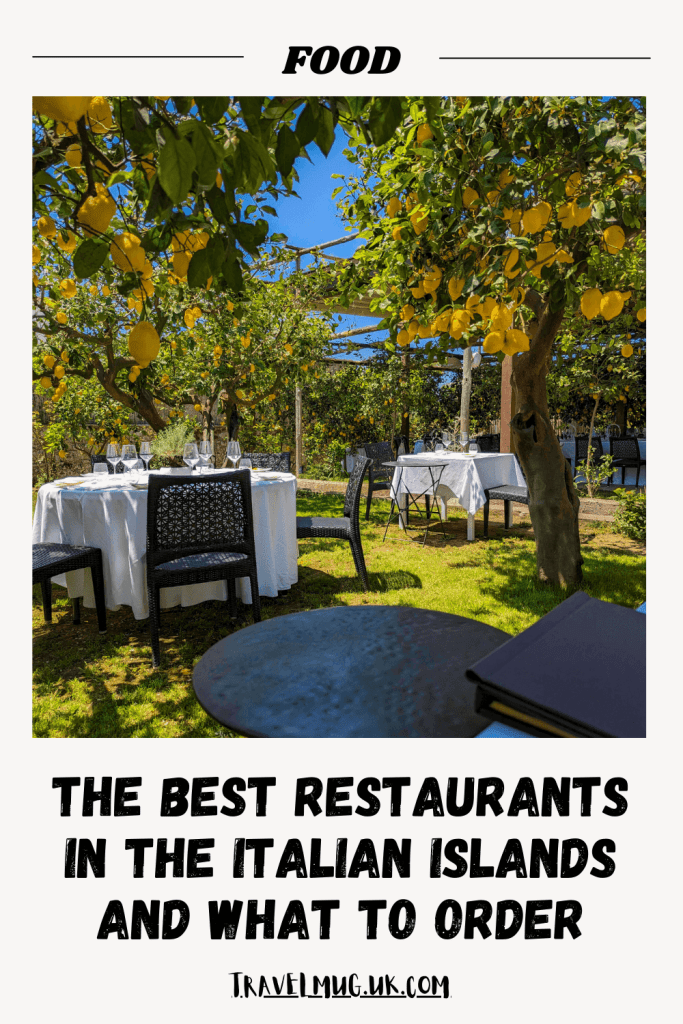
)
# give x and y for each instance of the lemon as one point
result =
(407, 312)
(46, 382)
(590, 303)
(627, 351)
(573, 184)
(493, 196)
(246, 342)
(424, 331)
(180, 264)
(424, 132)
(432, 278)
(614, 239)
(403, 338)
(68, 288)
(419, 222)
(411, 201)
(611, 305)
(532, 221)
(419, 292)
(501, 318)
(127, 252)
(640, 315)
(143, 343)
(188, 318)
(49, 361)
(511, 261)
(545, 210)
(59, 371)
(36, 256)
(97, 211)
(46, 227)
(99, 115)
(106, 290)
(74, 156)
(61, 317)
(455, 287)
(61, 108)
(494, 342)
(516, 341)
(394, 207)
(67, 244)
(545, 254)
(505, 177)
(469, 197)
(412, 328)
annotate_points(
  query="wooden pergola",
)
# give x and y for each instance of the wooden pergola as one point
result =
(361, 306)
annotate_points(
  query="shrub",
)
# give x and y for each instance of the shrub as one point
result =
(630, 516)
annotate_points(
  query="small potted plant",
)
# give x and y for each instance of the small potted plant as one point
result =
(168, 445)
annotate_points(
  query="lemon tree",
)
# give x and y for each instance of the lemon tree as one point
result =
(494, 228)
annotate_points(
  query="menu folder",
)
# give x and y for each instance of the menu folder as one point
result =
(579, 671)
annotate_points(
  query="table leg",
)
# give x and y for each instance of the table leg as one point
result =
(470, 526)
(508, 515)
(444, 508)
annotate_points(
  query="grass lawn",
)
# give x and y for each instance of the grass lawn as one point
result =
(87, 685)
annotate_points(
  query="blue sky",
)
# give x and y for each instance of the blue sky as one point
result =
(314, 217)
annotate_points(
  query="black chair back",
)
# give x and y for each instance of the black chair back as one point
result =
(581, 449)
(488, 442)
(281, 462)
(187, 517)
(378, 452)
(624, 448)
(353, 488)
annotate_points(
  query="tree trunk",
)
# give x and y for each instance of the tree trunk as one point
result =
(466, 391)
(553, 502)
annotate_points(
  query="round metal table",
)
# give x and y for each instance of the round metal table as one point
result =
(348, 672)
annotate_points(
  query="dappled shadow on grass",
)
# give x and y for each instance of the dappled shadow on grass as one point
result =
(315, 581)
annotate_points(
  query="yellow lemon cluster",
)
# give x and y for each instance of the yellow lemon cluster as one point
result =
(127, 252)
(61, 108)
(143, 343)
(100, 117)
(509, 342)
(97, 211)
(609, 306)
(184, 244)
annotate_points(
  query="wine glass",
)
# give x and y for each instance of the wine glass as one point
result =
(205, 455)
(232, 454)
(464, 438)
(146, 453)
(190, 455)
(113, 455)
(129, 456)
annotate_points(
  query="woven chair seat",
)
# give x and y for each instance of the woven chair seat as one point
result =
(508, 492)
(54, 559)
(203, 560)
(51, 556)
(321, 526)
(280, 462)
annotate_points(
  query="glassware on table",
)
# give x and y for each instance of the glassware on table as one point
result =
(233, 454)
(100, 467)
(129, 457)
(474, 447)
(205, 455)
(439, 446)
(464, 438)
(190, 455)
(245, 464)
(146, 453)
(113, 455)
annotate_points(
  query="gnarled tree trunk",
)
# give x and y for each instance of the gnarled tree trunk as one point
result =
(553, 501)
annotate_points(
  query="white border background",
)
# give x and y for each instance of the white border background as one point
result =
(624, 966)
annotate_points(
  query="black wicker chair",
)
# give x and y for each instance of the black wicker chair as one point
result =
(120, 468)
(279, 461)
(53, 559)
(625, 452)
(199, 531)
(488, 442)
(581, 449)
(379, 477)
(506, 493)
(346, 528)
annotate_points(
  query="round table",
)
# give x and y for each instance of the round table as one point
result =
(369, 672)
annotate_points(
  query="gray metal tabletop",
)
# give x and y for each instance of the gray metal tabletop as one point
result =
(377, 671)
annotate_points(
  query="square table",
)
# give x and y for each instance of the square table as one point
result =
(465, 477)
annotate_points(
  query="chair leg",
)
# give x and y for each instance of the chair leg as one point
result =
(367, 506)
(507, 505)
(486, 520)
(76, 605)
(427, 506)
(255, 596)
(98, 587)
(359, 562)
(46, 591)
(232, 598)
(637, 475)
(154, 622)
(623, 475)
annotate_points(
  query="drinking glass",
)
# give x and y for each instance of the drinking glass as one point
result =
(129, 456)
(205, 454)
(113, 455)
(232, 455)
(146, 453)
(464, 438)
(438, 447)
(190, 455)
(100, 467)
(245, 464)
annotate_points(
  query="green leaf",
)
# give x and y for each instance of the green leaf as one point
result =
(89, 257)
(324, 136)
(287, 150)
(176, 164)
(218, 205)
(216, 253)
(199, 270)
(307, 124)
(212, 108)
(598, 210)
(205, 154)
(232, 275)
(385, 118)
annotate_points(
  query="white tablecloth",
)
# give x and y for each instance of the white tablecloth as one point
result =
(112, 515)
(568, 449)
(465, 477)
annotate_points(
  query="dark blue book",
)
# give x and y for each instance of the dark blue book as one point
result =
(578, 671)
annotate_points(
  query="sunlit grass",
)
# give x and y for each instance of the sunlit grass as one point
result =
(91, 685)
